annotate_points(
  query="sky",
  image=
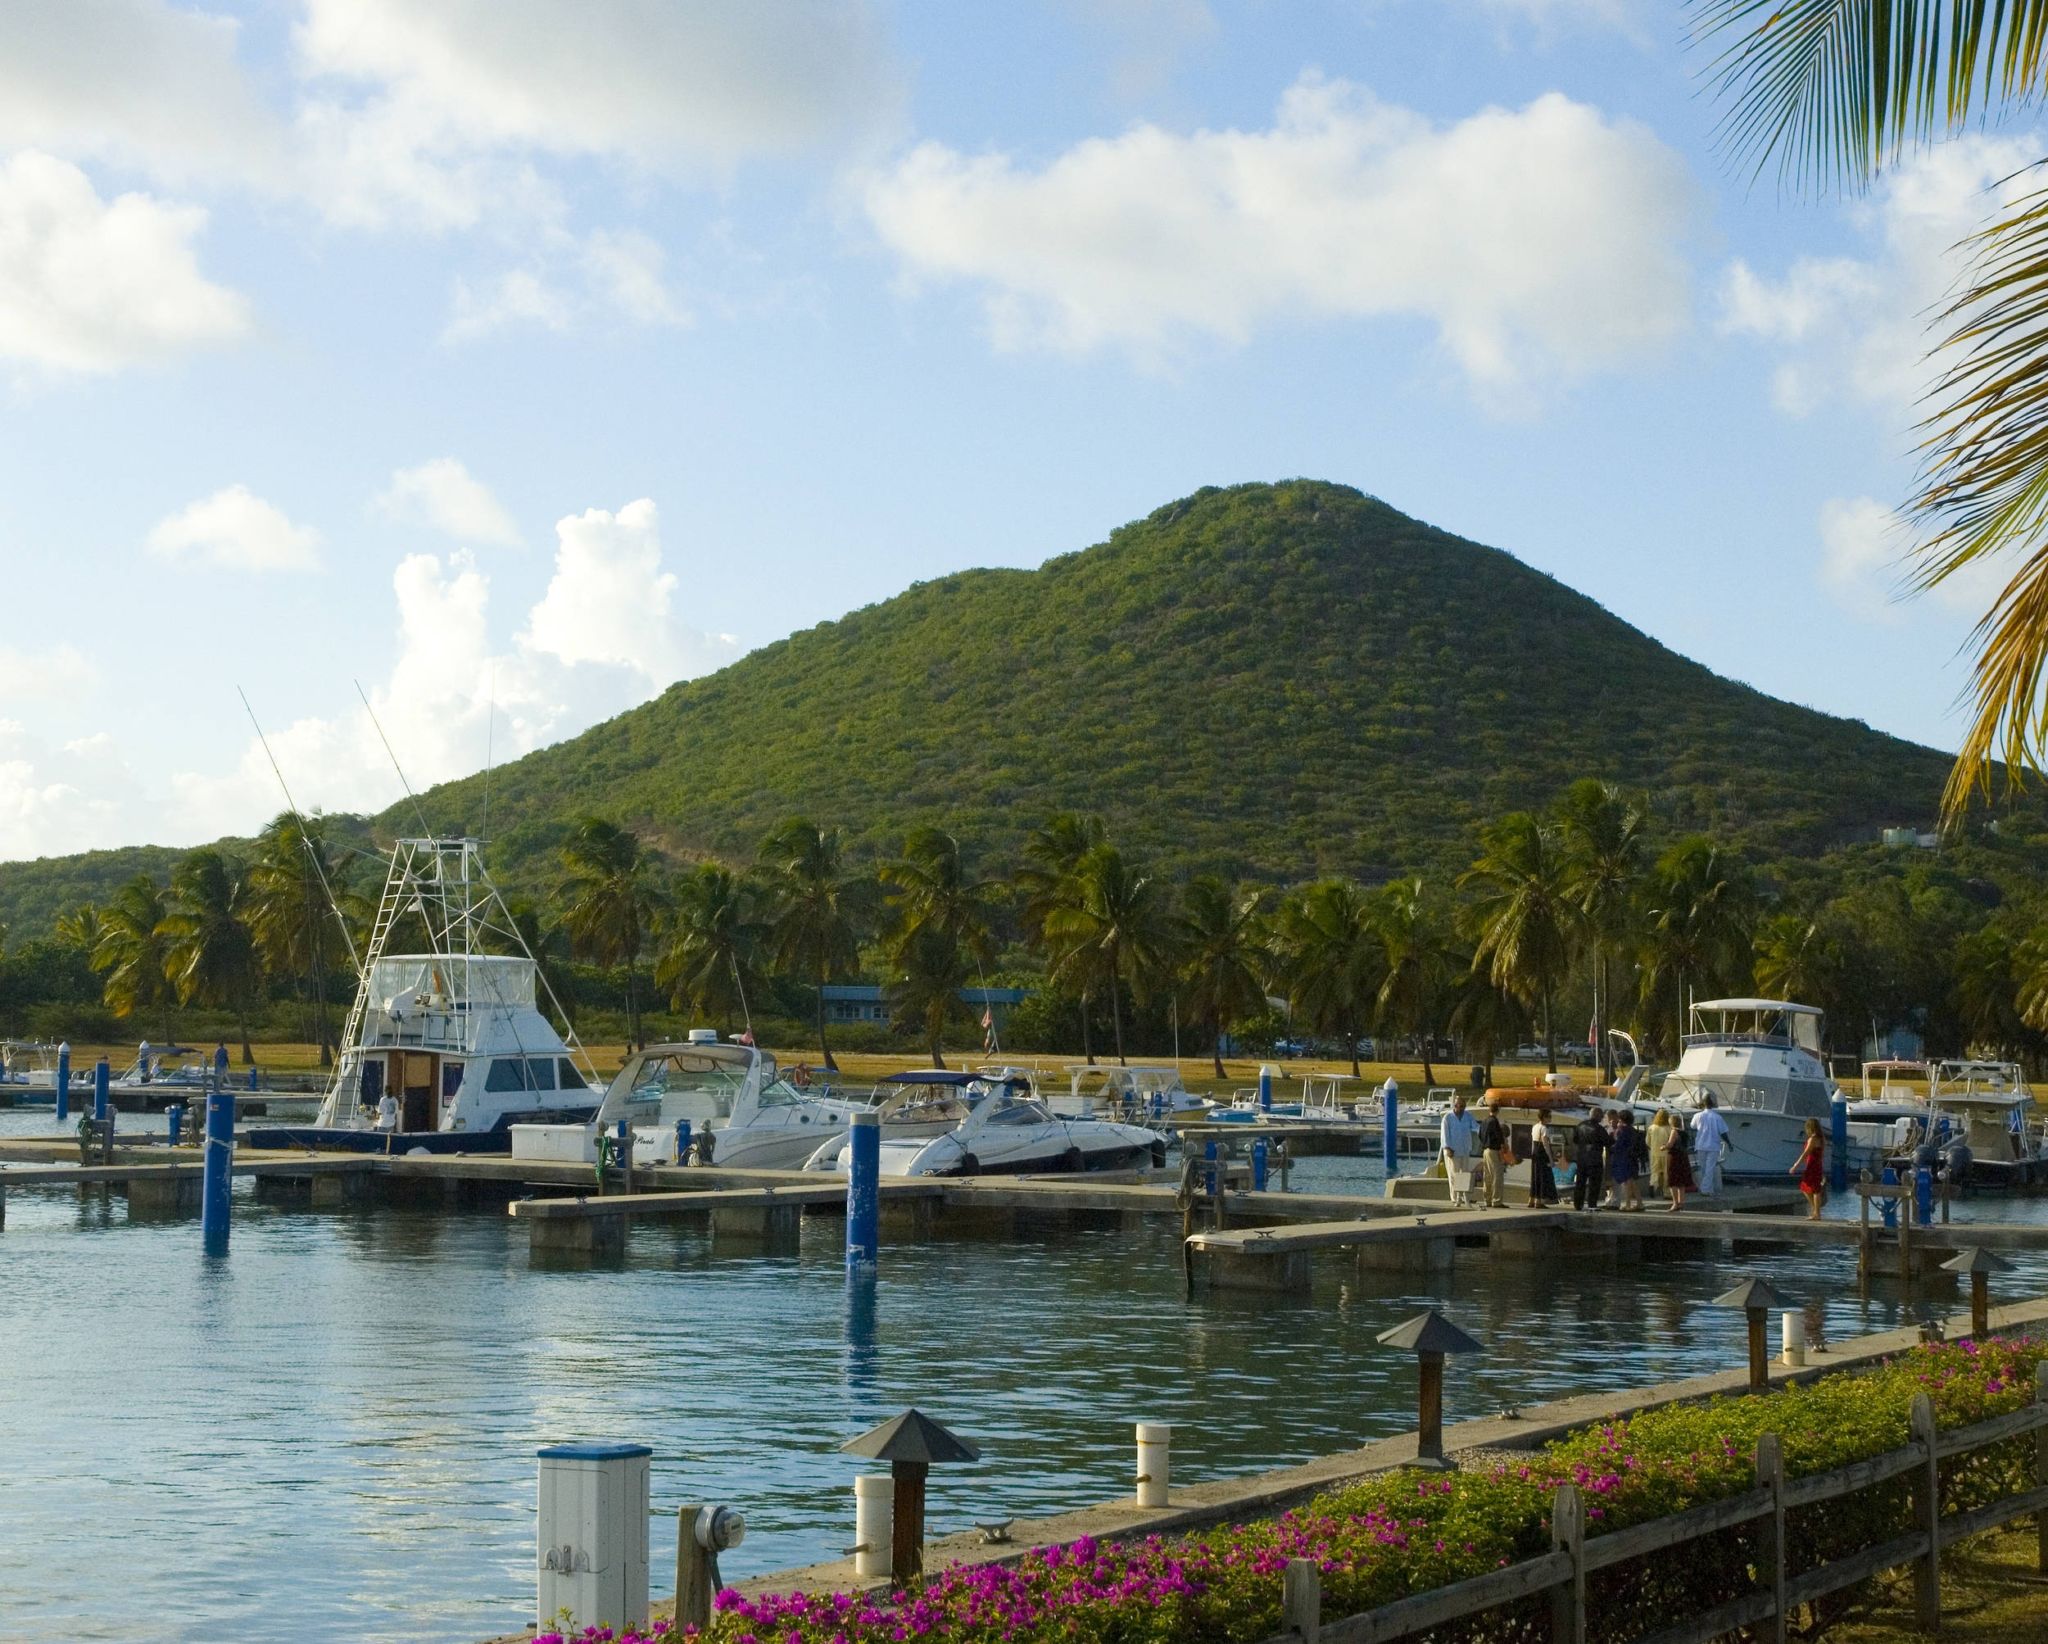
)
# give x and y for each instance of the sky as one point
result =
(508, 360)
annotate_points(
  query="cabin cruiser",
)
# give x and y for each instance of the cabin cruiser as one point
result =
(1761, 1062)
(445, 1048)
(993, 1124)
(722, 1100)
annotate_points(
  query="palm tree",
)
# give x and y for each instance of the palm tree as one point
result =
(1524, 920)
(547, 945)
(1114, 930)
(1487, 1019)
(80, 928)
(1796, 959)
(1421, 962)
(212, 959)
(133, 952)
(1602, 833)
(818, 910)
(1329, 958)
(289, 912)
(613, 903)
(1222, 941)
(941, 937)
(1050, 880)
(1841, 89)
(711, 945)
(1703, 909)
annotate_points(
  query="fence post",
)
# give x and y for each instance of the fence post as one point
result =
(1568, 1597)
(1301, 1598)
(1770, 1475)
(1927, 1509)
(2041, 1470)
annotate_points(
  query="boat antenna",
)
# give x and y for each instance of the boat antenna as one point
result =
(732, 959)
(425, 831)
(305, 840)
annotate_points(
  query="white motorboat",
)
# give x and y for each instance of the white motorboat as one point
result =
(993, 1124)
(1761, 1061)
(1128, 1093)
(672, 1096)
(1989, 1108)
(452, 1033)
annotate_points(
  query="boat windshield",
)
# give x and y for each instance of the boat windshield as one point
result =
(1756, 1022)
(694, 1085)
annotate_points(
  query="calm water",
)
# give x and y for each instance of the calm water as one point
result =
(330, 1434)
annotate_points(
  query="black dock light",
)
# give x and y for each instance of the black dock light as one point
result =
(1429, 1336)
(1980, 1264)
(1756, 1298)
(910, 1444)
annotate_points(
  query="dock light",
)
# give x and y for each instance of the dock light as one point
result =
(1756, 1298)
(1430, 1336)
(1980, 1264)
(911, 1444)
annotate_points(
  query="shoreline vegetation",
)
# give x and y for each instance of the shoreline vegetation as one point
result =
(1409, 1531)
(1585, 916)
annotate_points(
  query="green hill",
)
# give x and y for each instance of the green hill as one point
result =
(1271, 679)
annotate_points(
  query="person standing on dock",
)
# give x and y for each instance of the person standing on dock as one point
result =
(1542, 1181)
(1811, 1169)
(1456, 1139)
(220, 1064)
(1709, 1142)
(1589, 1145)
(1497, 1140)
(1658, 1139)
(1679, 1175)
(1625, 1164)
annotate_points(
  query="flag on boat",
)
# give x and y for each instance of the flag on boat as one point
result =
(988, 1029)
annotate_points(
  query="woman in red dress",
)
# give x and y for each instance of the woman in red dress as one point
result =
(1810, 1169)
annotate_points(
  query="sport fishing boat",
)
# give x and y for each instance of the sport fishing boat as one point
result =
(451, 1030)
(1988, 1108)
(1761, 1061)
(673, 1097)
(993, 1124)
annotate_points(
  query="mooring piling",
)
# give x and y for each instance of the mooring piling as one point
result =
(1390, 1128)
(174, 1123)
(1838, 1144)
(217, 1181)
(102, 1089)
(63, 1082)
(1259, 1165)
(1155, 1463)
(864, 1194)
(1265, 1087)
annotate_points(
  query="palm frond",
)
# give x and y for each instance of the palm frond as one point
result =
(1836, 88)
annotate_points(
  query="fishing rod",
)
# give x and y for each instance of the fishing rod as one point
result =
(305, 838)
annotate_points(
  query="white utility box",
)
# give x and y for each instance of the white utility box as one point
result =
(592, 1534)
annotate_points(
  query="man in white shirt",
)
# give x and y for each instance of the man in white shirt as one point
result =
(1456, 1138)
(1710, 1143)
(387, 1112)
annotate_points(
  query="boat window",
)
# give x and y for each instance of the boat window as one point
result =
(451, 1078)
(569, 1078)
(373, 1081)
(540, 1073)
(505, 1075)
(782, 1094)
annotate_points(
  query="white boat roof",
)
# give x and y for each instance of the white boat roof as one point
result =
(1756, 1004)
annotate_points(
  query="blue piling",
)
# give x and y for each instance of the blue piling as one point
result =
(215, 1181)
(102, 1088)
(174, 1118)
(864, 1194)
(252, 1078)
(1259, 1165)
(682, 1141)
(1213, 1173)
(63, 1083)
(1838, 1145)
(1265, 1088)
(1923, 1195)
(1390, 1128)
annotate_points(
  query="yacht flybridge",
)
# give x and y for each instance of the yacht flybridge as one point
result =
(445, 1047)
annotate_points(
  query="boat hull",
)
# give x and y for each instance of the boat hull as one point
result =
(341, 1139)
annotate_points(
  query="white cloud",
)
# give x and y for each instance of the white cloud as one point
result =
(235, 530)
(1538, 241)
(627, 272)
(138, 82)
(569, 283)
(445, 495)
(1858, 329)
(94, 285)
(57, 800)
(1864, 565)
(518, 297)
(56, 670)
(603, 638)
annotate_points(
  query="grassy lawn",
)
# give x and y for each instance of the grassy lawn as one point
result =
(1990, 1594)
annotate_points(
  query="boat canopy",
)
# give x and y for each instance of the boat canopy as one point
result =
(1775, 1022)
(932, 1076)
(445, 982)
(1788, 1008)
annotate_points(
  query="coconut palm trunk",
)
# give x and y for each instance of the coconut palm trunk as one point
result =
(1216, 1040)
(824, 1049)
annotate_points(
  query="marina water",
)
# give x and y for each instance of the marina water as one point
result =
(330, 1434)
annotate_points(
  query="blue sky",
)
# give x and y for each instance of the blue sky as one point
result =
(515, 366)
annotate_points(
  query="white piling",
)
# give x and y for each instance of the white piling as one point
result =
(1795, 1338)
(1155, 1463)
(874, 1523)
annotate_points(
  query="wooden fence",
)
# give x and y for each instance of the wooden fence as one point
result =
(1562, 1572)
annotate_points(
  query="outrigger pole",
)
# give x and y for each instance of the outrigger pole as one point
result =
(312, 855)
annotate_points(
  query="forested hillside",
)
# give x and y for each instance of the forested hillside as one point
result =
(1269, 681)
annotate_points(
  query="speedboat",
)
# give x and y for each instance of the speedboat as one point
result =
(674, 1097)
(452, 1033)
(1130, 1093)
(993, 1124)
(1761, 1062)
